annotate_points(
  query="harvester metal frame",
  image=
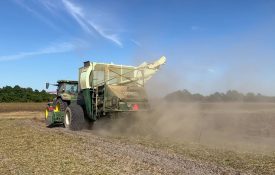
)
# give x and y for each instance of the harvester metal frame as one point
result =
(104, 90)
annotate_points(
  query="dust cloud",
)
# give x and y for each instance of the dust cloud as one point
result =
(243, 126)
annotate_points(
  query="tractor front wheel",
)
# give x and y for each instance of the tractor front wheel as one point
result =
(47, 117)
(74, 117)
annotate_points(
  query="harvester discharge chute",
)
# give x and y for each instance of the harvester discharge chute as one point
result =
(107, 90)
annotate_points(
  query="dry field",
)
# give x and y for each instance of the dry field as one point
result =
(173, 139)
(12, 107)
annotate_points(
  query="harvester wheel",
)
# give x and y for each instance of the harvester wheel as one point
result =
(60, 105)
(74, 117)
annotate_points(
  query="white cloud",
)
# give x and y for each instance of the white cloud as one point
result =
(76, 11)
(87, 24)
(54, 48)
(136, 42)
(50, 5)
(36, 14)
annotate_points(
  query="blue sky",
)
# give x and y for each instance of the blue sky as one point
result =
(210, 45)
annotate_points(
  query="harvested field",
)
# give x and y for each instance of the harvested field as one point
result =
(12, 107)
(220, 139)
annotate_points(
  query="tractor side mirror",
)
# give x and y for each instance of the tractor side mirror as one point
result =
(47, 85)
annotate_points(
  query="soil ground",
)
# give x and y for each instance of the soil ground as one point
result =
(197, 139)
(12, 107)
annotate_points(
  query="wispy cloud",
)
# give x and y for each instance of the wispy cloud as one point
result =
(49, 5)
(136, 42)
(35, 13)
(53, 7)
(88, 24)
(76, 11)
(52, 49)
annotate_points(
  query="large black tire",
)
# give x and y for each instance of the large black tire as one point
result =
(74, 117)
(48, 118)
(62, 104)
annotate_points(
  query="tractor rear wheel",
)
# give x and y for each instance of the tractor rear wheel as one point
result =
(74, 117)
(60, 105)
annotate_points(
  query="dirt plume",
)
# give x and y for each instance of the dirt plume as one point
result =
(242, 126)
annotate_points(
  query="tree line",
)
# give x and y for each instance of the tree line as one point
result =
(229, 96)
(19, 94)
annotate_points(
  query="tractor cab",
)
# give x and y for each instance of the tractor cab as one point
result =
(67, 87)
(66, 93)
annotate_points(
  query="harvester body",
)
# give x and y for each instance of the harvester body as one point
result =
(108, 90)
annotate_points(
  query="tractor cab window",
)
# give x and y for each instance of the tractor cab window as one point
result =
(71, 88)
(61, 87)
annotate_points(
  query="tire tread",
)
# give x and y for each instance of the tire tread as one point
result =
(77, 117)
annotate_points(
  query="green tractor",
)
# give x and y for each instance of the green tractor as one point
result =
(66, 92)
(104, 90)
